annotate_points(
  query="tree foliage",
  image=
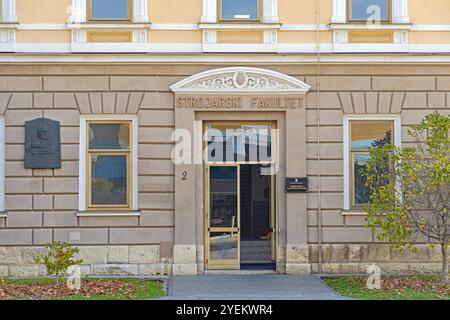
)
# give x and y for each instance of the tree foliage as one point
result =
(410, 188)
(59, 257)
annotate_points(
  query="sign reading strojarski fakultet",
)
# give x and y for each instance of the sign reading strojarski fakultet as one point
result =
(212, 102)
(244, 102)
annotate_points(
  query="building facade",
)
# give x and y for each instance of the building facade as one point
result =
(187, 129)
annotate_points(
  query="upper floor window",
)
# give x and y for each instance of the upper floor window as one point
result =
(110, 10)
(363, 10)
(239, 10)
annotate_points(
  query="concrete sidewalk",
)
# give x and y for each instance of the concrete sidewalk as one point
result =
(249, 287)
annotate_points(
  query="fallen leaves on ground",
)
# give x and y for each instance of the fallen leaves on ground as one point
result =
(48, 290)
(434, 284)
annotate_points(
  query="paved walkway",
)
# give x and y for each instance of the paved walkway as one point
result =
(249, 287)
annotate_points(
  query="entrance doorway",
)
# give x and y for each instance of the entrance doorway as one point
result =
(240, 196)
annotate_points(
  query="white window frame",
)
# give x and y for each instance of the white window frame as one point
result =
(79, 11)
(269, 11)
(8, 11)
(2, 164)
(346, 141)
(82, 158)
(399, 11)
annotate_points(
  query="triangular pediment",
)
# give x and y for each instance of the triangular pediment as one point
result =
(240, 80)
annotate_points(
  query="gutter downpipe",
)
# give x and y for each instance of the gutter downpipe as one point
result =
(319, 186)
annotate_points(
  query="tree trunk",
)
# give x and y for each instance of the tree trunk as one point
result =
(444, 249)
(57, 279)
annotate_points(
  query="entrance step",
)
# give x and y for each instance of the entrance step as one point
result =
(238, 272)
(256, 251)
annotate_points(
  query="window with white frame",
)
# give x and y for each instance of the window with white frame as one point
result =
(362, 10)
(108, 164)
(240, 10)
(361, 134)
(117, 10)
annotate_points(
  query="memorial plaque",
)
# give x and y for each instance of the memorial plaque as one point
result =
(296, 185)
(42, 144)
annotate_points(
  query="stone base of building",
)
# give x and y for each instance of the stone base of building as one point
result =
(126, 260)
(142, 260)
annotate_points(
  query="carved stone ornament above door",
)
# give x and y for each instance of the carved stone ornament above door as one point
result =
(240, 80)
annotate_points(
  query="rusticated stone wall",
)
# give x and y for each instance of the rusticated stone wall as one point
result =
(41, 205)
(97, 260)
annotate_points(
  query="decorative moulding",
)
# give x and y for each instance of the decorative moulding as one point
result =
(240, 80)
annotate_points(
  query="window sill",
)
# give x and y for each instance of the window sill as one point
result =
(9, 25)
(364, 26)
(108, 213)
(240, 25)
(3, 215)
(129, 25)
(353, 213)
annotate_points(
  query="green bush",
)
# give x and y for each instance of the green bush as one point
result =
(59, 256)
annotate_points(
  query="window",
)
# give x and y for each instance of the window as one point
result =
(247, 143)
(110, 10)
(362, 10)
(109, 164)
(360, 134)
(239, 10)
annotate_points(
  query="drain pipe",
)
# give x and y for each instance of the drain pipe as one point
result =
(319, 184)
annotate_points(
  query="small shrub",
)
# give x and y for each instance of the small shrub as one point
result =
(58, 258)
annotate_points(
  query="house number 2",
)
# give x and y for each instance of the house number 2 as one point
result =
(184, 175)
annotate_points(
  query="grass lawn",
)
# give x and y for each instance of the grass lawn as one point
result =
(91, 289)
(392, 288)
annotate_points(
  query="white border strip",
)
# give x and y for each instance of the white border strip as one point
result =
(196, 26)
(304, 27)
(221, 59)
(109, 214)
(43, 26)
(299, 48)
(175, 26)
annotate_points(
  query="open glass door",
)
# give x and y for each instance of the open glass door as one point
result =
(223, 217)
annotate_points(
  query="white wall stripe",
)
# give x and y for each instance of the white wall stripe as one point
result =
(195, 26)
(220, 59)
(175, 26)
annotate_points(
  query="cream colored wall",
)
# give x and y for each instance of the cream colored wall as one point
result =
(304, 36)
(429, 37)
(304, 12)
(43, 11)
(174, 11)
(32, 36)
(189, 11)
(174, 36)
(430, 11)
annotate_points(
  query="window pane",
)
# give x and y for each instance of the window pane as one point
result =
(248, 143)
(371, 134)
(223, 245)
(109, 136)
(109, 180)
(239, 9)
(363, 9)
(223, 196)
(362, 193)
(109, 9)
